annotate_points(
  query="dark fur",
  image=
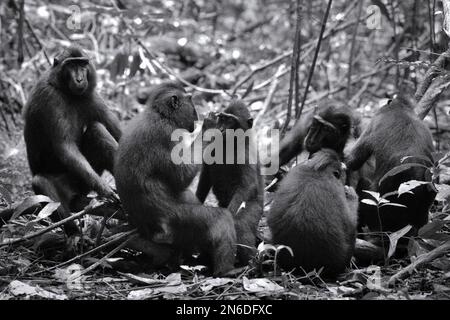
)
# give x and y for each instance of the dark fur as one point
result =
(396, 132)
(154, 191)
(315, 215)
(308, 132)
(70, 134)
(234, 184)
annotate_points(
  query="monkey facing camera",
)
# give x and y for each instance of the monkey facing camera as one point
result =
(70, 134)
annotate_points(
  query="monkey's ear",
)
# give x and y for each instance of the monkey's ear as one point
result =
(250, 122)
(174, 102)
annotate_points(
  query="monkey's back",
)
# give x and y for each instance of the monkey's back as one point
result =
(311, 215)
(397, 132)
(144, 172)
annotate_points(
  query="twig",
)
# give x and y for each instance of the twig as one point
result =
(352, 50)
(434, 70)
(111, 253)
(339, 26)
(422, 259)
(294, 70)
(297, 57)
(316, 53)
(92, 251)
(432, 95)
(261, 68)
(20, 54)
(269, 98)
(396, 50)
(52, 226)
(32, 32)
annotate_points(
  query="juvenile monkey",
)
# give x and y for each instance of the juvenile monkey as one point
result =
(316, 216)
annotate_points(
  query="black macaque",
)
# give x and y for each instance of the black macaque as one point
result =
(396, 132)
(315, 214)
(330, 128)
(238, 187)
(154, 190)
(70, 134)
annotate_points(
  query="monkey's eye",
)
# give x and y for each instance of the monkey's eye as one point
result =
(337, 174)
(174, 102)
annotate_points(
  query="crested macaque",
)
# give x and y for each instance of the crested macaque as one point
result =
(330, 128)
(154, 190)
(315, 214)
(238, 187)
(396, 132)
(70, 134)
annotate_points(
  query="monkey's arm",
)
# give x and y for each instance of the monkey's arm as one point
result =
(66, 149)
(248, 190)
(359, 154)
(77, 164)
(292, 144)
(108, 119)
(204, 185)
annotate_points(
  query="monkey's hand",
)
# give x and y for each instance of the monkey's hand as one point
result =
(350, 194)
(105, 191)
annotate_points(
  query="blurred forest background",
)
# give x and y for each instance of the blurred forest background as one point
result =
(369, 50)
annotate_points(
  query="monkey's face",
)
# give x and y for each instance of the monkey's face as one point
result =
(337, 170)
(76, 74)
(183, 111)
(230, 121)
(327, 133)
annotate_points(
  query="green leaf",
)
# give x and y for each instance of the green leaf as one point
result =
(426, 159)
(28, 203)
(393, 204)
(399, 169)
(410, 185)
(394, 237)
(47, 210)
(370, 202)
(375, 195)
(281, 247)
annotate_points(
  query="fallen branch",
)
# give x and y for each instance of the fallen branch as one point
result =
(99, 262)
(422, 259)
(92, 251)
(52, 226)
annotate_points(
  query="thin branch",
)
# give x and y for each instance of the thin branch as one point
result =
(294, 61)
(110, 254)
(90, 252)
(422, 259)
(352, 50)
(52, 226)
(316, 54)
